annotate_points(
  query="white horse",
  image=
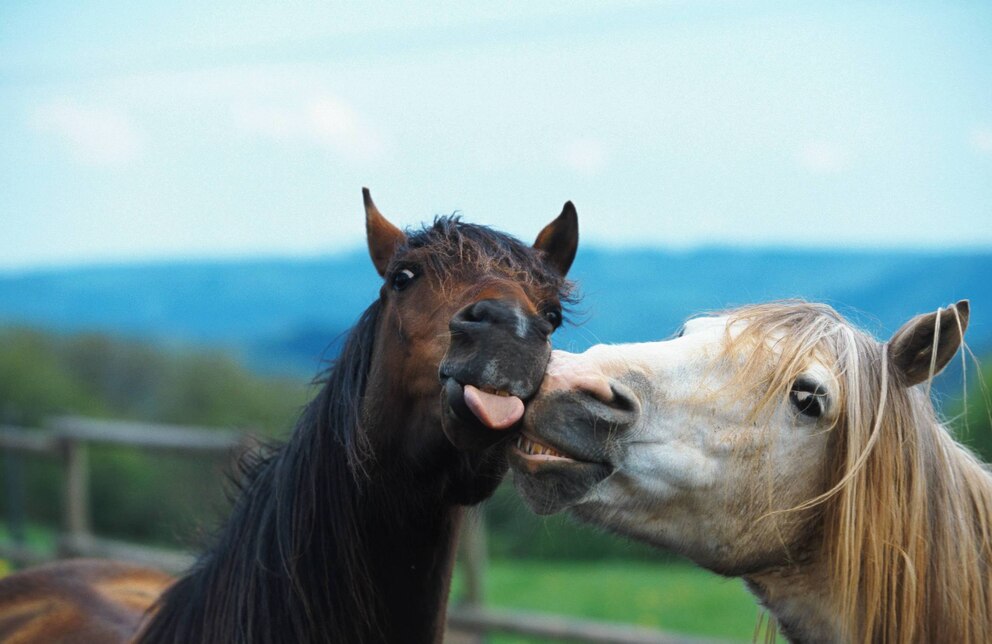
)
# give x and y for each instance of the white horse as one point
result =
(780, 444)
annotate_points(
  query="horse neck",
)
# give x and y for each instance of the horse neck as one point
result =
(317, 552)
(956, 598)
(945, 594)
(799, 600)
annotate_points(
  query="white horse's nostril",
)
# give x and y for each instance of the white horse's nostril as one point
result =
(596, 385)
(585, 381)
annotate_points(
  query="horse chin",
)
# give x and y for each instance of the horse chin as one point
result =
(550, 481)
(461, 427)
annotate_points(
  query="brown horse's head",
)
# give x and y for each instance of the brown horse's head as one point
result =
(465, 321)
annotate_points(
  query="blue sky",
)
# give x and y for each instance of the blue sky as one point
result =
(130, 131)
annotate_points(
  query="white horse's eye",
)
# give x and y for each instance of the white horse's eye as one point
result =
(808, 398)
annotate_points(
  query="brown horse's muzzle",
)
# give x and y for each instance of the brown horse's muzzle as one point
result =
(494, 364)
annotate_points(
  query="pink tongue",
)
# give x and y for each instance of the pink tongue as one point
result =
(495, 412)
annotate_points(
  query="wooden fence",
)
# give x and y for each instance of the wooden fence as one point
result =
(66, 439)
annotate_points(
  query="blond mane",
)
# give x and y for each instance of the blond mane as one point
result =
(906, 533)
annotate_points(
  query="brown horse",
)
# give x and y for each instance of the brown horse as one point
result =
(346, 533)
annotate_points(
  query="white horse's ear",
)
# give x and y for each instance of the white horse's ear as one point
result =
(383, 237)
(925, 344)
(560, 239)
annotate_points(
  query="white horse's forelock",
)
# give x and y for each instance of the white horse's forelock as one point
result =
(907, 526)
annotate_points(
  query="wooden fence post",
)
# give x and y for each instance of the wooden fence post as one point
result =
(472, 547)
(76, 520)
(475, 556)
(13, 469)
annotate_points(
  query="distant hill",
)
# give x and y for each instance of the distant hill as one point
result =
(286, 315)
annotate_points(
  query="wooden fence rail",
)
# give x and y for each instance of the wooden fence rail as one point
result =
(66, 438)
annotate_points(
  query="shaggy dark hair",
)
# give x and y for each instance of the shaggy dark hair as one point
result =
(266, 578)
(450, 248)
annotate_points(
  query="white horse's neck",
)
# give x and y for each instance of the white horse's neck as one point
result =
(797, 597)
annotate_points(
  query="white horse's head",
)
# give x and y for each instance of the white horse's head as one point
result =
(721, 443)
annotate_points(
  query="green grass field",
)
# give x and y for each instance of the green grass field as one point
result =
(37, 537)
(673, 597)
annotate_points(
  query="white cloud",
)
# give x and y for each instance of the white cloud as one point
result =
(981, 139)
(324, 120)
(823, 157)
(94, 135)
(585, 156)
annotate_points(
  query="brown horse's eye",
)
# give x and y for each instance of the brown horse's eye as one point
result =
(402, 278)
(554, 317)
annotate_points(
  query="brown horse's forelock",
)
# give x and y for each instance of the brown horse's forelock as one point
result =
(456, 253)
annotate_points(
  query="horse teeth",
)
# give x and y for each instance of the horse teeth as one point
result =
(494, 391)
(528, 446)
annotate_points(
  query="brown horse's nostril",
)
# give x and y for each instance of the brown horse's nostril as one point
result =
(485, 312)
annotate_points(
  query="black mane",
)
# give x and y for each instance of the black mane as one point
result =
(267, 578)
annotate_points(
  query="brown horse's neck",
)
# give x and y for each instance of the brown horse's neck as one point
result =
(329, 540)
(411, 570)
(307, 568)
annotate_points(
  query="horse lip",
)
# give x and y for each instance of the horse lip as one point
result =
(509, 389)
(530, 466)
(566, 458)
(554, 485)
(471, 433)
(518, 389)
(455, 397)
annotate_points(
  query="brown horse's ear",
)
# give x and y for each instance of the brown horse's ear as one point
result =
(383, 237)
(560, 239)
(925, 344)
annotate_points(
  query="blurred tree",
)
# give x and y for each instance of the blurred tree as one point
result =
(34, 382)
(971, 418)
(136, 495)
